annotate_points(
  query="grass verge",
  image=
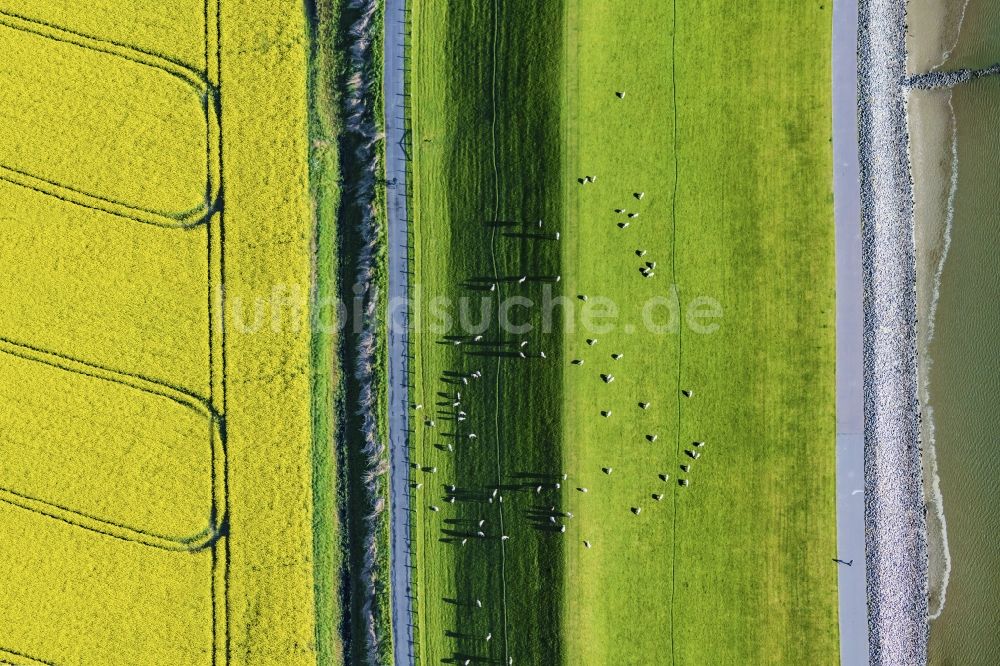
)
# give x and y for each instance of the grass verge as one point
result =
(326, 193)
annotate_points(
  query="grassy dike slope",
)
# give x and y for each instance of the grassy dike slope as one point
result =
(472, 111)
(735, 568)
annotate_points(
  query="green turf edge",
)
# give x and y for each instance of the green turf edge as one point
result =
(324, 173)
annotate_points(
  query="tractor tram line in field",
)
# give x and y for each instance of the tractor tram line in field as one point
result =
(204, 81)
(499, 299)
(680, 329)
(221, 569)
(105, 526)
(200, 83)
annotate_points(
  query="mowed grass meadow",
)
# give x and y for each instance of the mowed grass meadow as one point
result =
(724, 129)
(736, 567)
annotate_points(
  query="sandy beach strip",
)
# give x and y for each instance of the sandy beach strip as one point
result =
(934, 27)
(896, 530)
(934, 165)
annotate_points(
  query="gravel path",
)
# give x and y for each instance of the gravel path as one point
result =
(896, 531)
(396, 22)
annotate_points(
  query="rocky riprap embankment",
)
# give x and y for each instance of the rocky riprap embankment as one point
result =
(896, 536)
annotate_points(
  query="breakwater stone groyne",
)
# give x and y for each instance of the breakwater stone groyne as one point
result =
(931, 80)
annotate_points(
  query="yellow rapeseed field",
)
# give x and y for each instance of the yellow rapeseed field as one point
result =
(156, 266)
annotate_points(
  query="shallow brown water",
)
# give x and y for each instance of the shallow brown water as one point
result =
(953, 34)
(955, 150)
